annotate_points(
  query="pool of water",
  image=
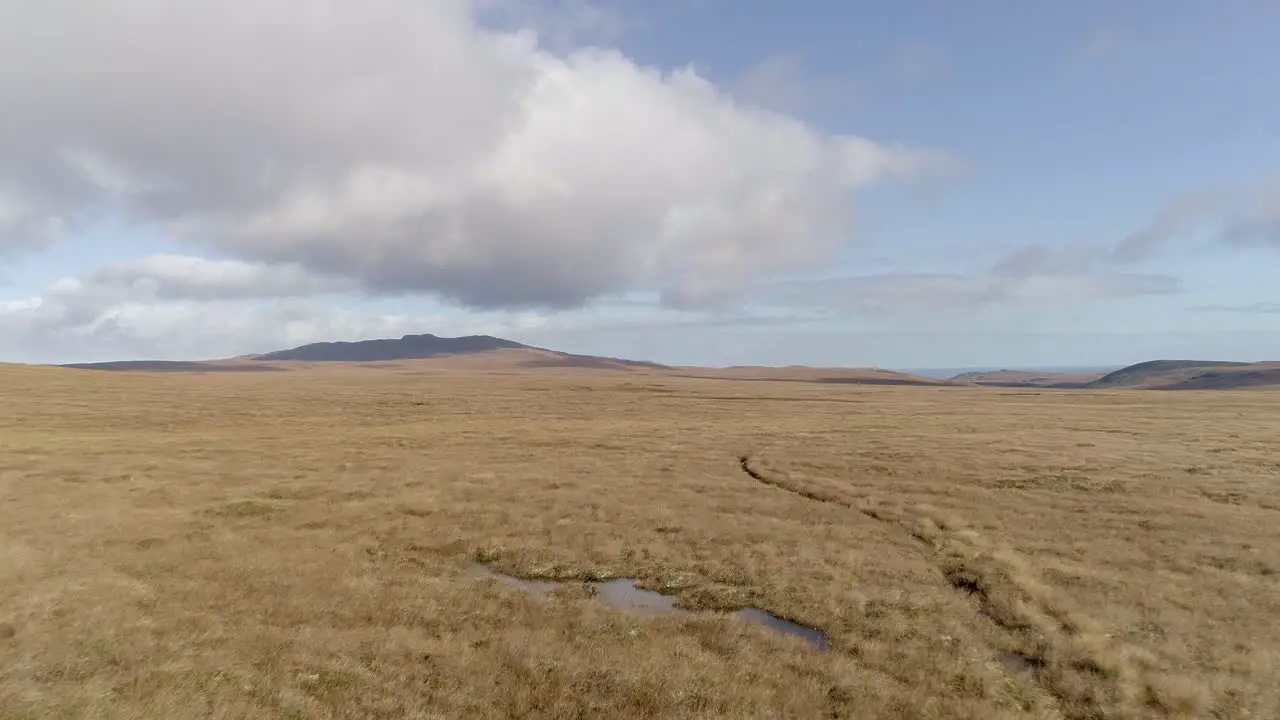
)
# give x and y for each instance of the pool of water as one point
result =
(533, 586)
(813, 636)
(622, 594)
(1019, 664)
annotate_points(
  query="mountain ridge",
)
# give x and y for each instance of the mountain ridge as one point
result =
(1190, 375)
(407, 347)
(491, 352)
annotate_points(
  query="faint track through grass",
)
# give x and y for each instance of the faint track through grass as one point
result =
(1090, 675)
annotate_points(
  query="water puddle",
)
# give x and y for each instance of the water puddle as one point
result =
(622, 594)
(537, 587)
(1019, 664)
(813, 636)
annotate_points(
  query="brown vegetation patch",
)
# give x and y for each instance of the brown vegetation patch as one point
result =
(1088, 672)
(245, 509)
(1062, 481)
(295, 545)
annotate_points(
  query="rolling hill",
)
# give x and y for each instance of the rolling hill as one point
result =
(1190, 375)
(493, 354)
(487, 353)
(409, 347)
(826, 375)
(173, 366)
(427, 346)
(1026, 378)
(475, 351)
(1150, 375)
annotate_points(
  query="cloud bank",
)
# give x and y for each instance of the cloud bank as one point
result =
(404, 147)
(187, 307)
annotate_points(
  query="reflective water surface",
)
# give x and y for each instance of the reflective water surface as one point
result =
(622, 594)
(813, 636)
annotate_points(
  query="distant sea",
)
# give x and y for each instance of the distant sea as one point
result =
(944, 373)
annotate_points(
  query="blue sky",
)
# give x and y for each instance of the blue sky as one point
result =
(912, 184)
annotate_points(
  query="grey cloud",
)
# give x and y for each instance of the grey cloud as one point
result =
(1083, 258)
(403, 146)
(1031, 261)
(150, 287)
(1177, 217)
(52, 328)
(895, 294)
(1260, 308)
(181, 307)
(1258, 228)
(25, 226)
(180, 277)
(184, 330)
(109, 316)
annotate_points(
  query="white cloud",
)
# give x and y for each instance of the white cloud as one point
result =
(168, 306)
(56, 328)
(172, 307)
(560, 24)
(185, 307)
(401, 145)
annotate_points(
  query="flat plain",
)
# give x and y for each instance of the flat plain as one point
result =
(301, 544)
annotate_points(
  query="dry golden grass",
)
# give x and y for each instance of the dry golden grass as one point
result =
(296, 545)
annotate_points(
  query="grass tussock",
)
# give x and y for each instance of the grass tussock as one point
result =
(297, 545)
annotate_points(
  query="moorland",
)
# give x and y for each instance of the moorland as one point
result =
(302, 543)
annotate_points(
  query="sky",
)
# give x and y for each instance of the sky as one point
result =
(907, 185)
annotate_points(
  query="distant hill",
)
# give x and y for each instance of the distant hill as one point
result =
(1191, 375)
(409, 347)
(800, 373)
(172, 366)
(1233, 379)
(492, 354)
(1151, 375)
(422, 347)
(1026, 378)
(481, 352)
